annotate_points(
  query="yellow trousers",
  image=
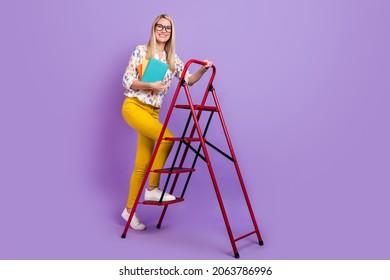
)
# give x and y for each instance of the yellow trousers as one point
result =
(144, 119)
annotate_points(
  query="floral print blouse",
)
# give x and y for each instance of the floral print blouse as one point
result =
(131, 74)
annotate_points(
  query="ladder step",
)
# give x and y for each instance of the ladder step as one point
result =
(187, 139)
(163, 203)
(198, 107)
(175, 170)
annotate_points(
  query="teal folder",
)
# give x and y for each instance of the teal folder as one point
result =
(155, 71)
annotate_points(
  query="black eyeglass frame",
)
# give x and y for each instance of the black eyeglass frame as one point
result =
(160, 27)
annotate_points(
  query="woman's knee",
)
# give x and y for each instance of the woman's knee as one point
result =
(167, 143)
(140, 167)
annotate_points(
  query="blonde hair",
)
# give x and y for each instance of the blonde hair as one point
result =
(169, 45)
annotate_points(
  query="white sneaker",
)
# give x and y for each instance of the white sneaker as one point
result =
(135, 223)
(155, 195)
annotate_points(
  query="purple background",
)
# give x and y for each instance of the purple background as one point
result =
(304, 87)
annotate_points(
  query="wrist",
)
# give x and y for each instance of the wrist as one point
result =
(203, 69)
(147, 86)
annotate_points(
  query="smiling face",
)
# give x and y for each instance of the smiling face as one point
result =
(163, 29)
(162, 38)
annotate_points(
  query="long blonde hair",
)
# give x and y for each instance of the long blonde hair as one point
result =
(169, 45)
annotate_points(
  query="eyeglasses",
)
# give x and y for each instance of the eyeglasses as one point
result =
(160, 27)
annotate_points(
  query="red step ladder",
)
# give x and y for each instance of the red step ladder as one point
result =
(195, 136)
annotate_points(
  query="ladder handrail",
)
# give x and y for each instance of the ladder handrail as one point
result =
(196, 61)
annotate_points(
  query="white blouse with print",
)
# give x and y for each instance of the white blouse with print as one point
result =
(131, 74)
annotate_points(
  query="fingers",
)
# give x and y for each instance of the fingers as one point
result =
(158, 86)
(208, 63)
(161, 86)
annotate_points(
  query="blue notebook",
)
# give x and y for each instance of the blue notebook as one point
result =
(155, 71)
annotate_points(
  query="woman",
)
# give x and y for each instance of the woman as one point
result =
(142, 105)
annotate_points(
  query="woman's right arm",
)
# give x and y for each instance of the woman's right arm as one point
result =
(156, 86)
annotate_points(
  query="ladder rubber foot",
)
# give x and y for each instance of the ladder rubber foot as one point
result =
(261, 243)
(236, 255)
(158, 226)
(123, 235)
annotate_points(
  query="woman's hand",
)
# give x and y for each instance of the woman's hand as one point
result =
(208, 64)
(198, 74)
(157, 86)
(154, 87)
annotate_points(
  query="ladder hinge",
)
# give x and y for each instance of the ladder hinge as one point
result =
(211, 88)
(183, 82)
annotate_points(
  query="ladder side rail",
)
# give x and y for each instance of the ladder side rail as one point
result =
(203, 145)
(242, 184)
(212, 175)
